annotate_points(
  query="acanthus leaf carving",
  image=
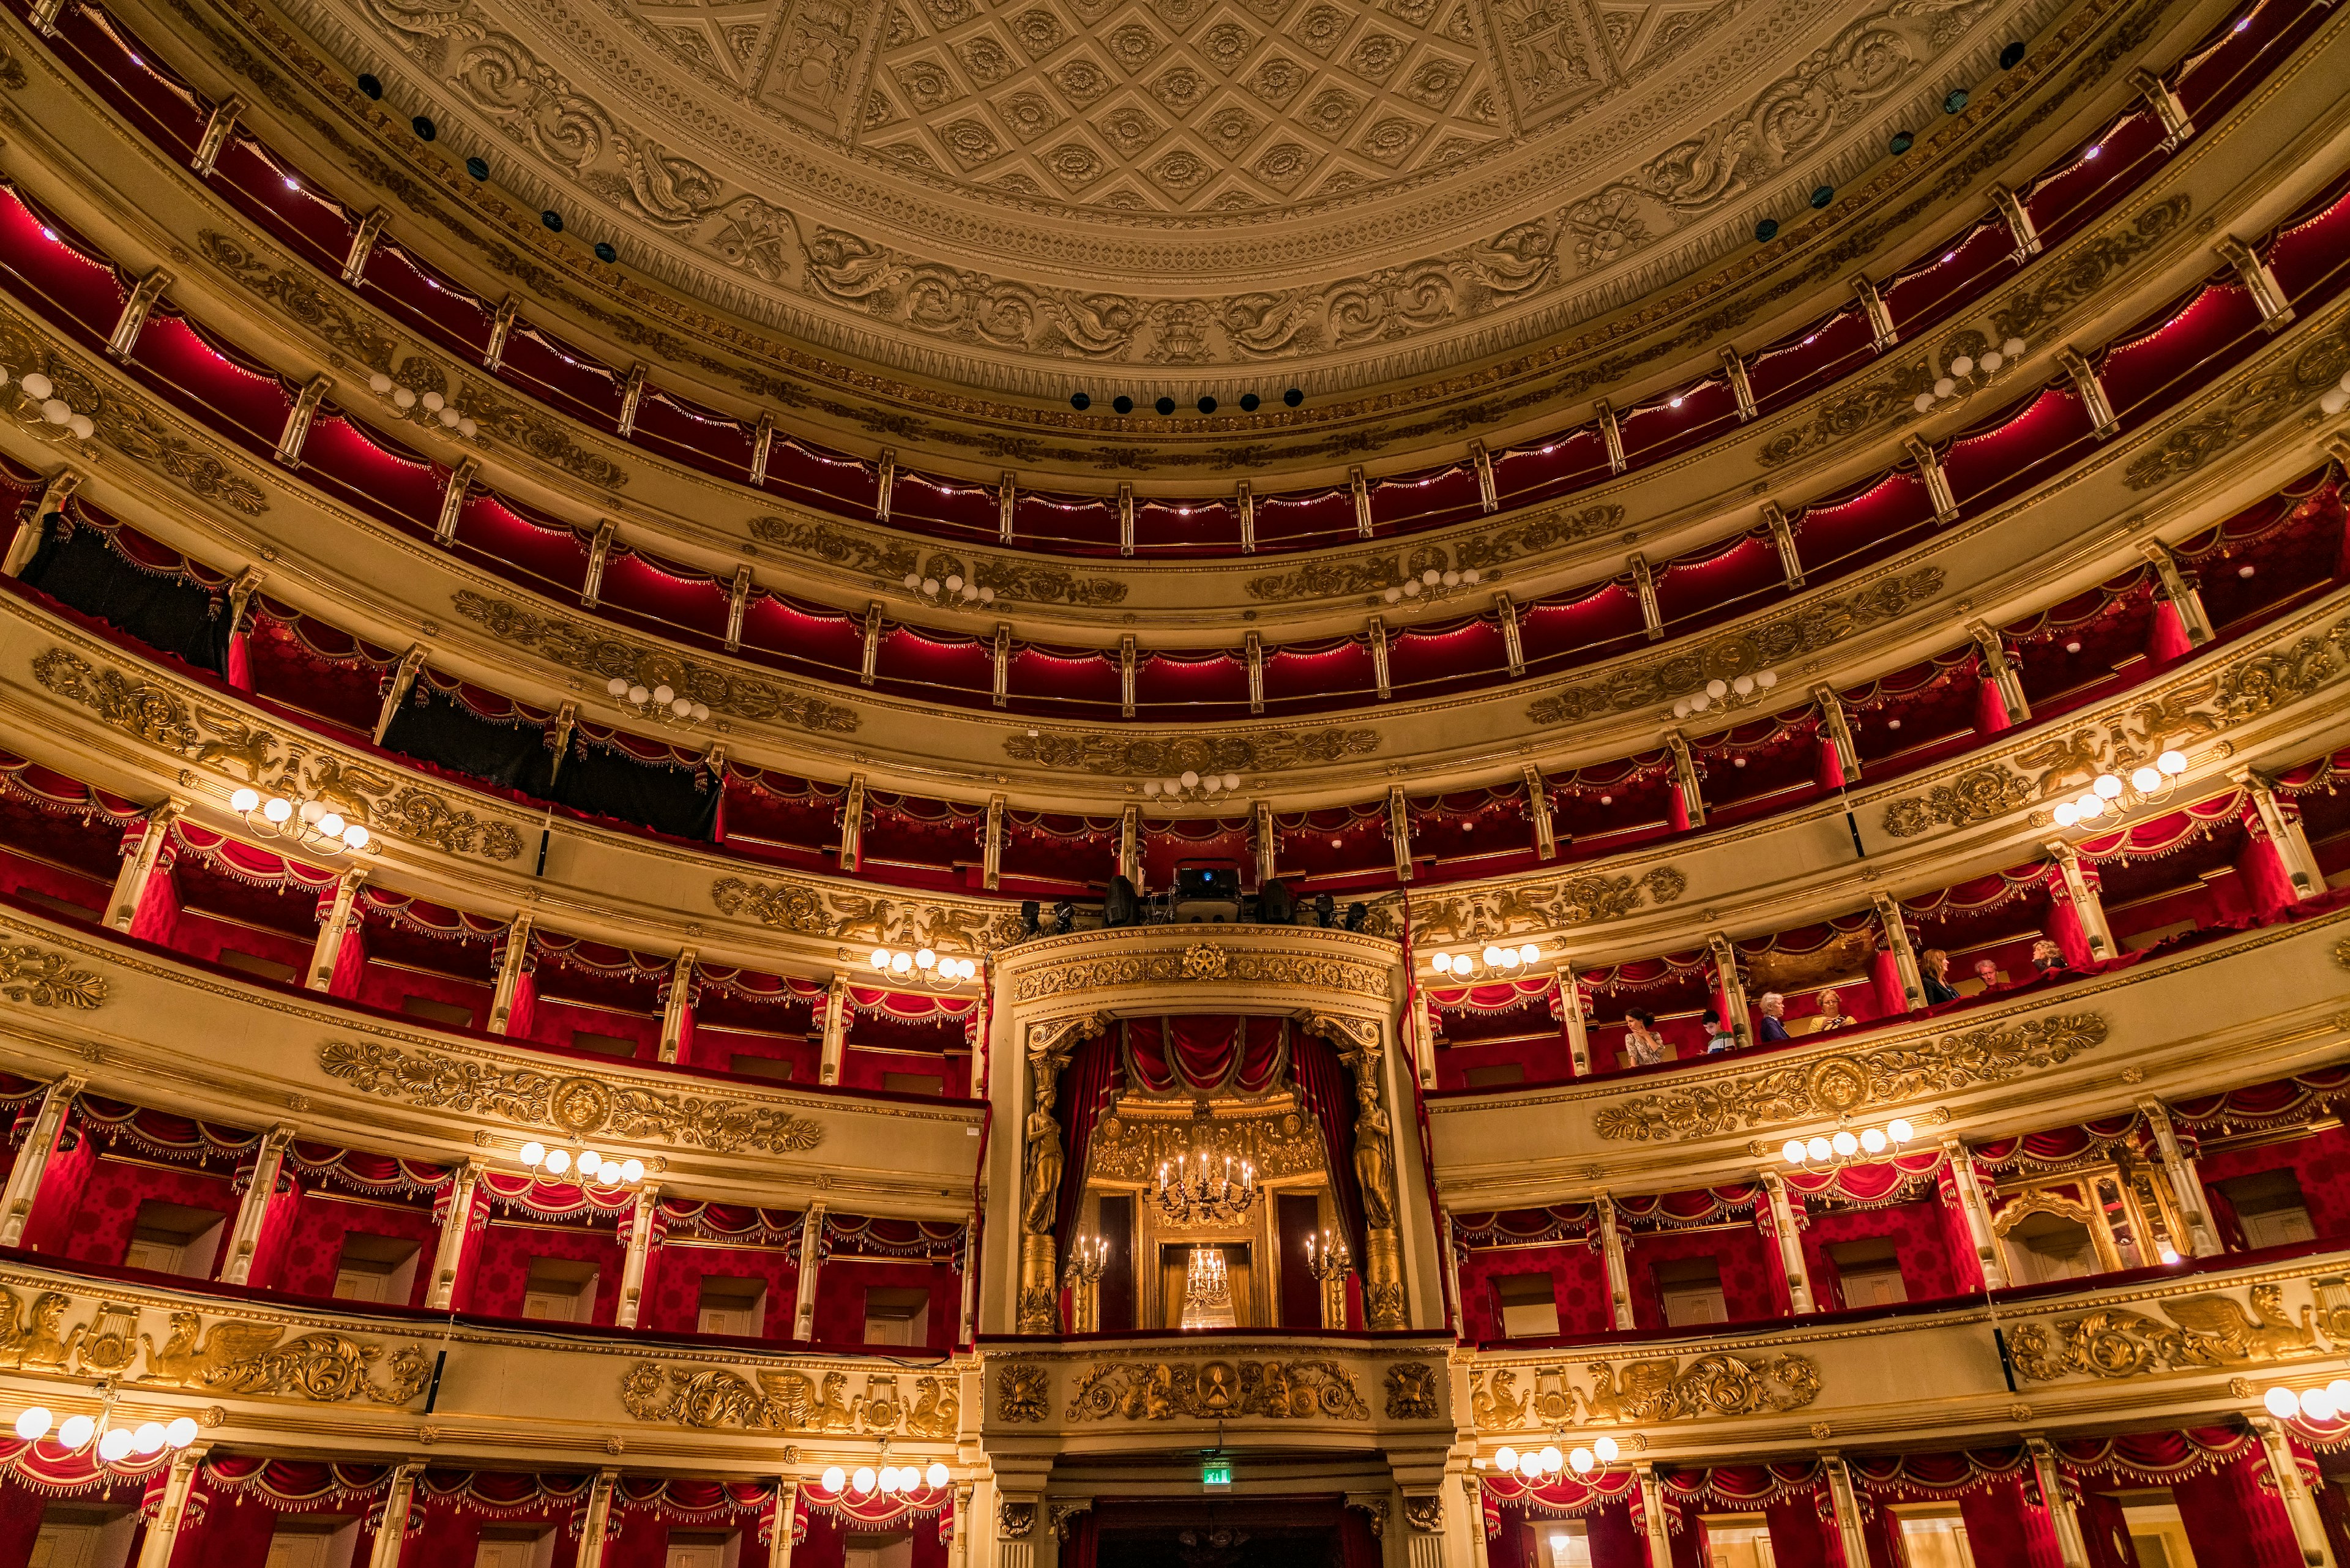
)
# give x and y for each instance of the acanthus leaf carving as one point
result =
(2209, 1330)
(30, 974)
(806, 909)
(1483, 914)
(1654, 1388)
(1216, 1391)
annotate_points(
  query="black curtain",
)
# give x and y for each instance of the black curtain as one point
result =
(434, 727)
(662, 796)
(78, 567)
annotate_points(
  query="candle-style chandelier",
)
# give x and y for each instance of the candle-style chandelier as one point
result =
(1202, 1186)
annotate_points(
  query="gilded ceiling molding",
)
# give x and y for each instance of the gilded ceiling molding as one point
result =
(1144, 1390)
(45, 978)
(1533, 904)
(1373, 575)
(1199, 963)
(216, 738)
(2252, 405)
(576, 1104)
(578, 645)
(1790, 634)
(1847, 1081)
(1660, 1388)
(1011, 580)
(810, 911)
(2190, 708)
(1168, 756)
(2211, 1330)
(1885, 399)
(784, 1401)
(127, 424)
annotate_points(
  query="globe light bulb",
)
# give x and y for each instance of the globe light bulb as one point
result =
(880, 957)
(591, 1165)
(633, 1171)
(558, 1161)
(2315, 1404)
(531, 1153)
(663, 694)
(1900, 1130)
(1550, 1460)
(1845, 1144)
(2090, 807)
(936, 1475)
(1608, 1449)
(618, 686)
(926, 958)
(863, 1479)
(148, 1438)
(1491, 955)
(835, 1478)
(277, 809)
(331, 824)
(2064, 814)
(356, 836)
(2145, 781)
(76, 1431)
(1582, 1461)
(900, 963)
(2108, 787)
(1506, 1458)
(1529, 953)
(1873, 1141)
(1443, 963)
(32, 1425)
(889, 1481)
(2282, 1402)
(244, 801)
(1819, 1148)
(115, 1446)
(1793, 1152)
(180, 1433)
(2172, 761)
(1190, 779)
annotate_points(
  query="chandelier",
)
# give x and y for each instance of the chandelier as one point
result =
(1208, 1291)
(313, 826)
(1196, 1190)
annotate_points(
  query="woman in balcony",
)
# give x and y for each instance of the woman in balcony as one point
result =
(1643, 1046)
(1935, 967)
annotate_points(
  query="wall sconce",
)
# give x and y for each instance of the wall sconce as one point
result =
(594, 1167)
(2146, 785)
(1844, 1145)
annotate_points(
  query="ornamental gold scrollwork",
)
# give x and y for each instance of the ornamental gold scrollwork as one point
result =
(1853, 1080)
(153, 711)
(808, 910)
(1414, 1392)
(576, 645)
(234, 1357)
(1484, 914)
(576, 1104)
(1657, 1388)
(2209, 1329)
(1216, 1391)
(1166, 756)
(1129, 1146)
(712, 1399)
(1023, 1393)
(1201, 961)
(42, 979)
(2251, 406)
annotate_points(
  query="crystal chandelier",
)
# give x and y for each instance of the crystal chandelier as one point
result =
(1197, 1190)
(1208, 1291)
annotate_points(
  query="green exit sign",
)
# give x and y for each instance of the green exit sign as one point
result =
(1215, 1472)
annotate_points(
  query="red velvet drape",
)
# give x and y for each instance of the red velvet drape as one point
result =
(1085, 1086)
(1329, 1094)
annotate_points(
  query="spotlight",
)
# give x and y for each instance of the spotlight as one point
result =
(1356, 915)
(605, 253)
(425, 128)
(1079, 401)
(552, 220)
(1123, 404)
(1956, 102)
(1325, 908)
(479, 168)
(1293, 396)
(1207, 405)
(1165, 406)
(1822, 195)
(1902, 143)
(2011, 56)
(1766, 230)
(371, 85)
(1250, 402)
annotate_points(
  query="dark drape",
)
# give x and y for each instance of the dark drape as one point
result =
(1299, 1293)
(1085, 1086)
(434, 727)
(1328, 1092)
(662, 796)
(78, 569)
(1083, 1548)
(1357, 1547)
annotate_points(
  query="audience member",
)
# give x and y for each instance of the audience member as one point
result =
(1935, 965)
(1772, 1009)
(1642, 1042)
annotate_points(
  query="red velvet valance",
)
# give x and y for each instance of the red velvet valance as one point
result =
(247, 863)
(730, 1222)
(849, 1236)
(1703, 1205)
(160, 1134)
(541, 1199)
(295, 1485)
(1741, 1487)
(2055, 1148)
(2281, 1102)
(1937, 1477)
(1204, 1055)
(2167, 833)
(362, 1172)
(1874, 1184)
(48, 1470)
(53, 792)
(597, 957)
(1569, 1223)
(428, 919)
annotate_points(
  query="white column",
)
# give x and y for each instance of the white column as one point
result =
(392, 1535)
(1658, 1529)
(456, 1235)
(599, 1516)
(2308, 1528)
(1972, 1204)
(130, 882)
(163, 1531)
(835, 1030)
(640, 1249)
(1850, 1534)
(1791, 1244)
(253, 1212)
(1611, 1251)
(2072, 1550)
(779, 1541)
(328, 950)
(2186, 1182)
(811, 1255)
(33, 1162)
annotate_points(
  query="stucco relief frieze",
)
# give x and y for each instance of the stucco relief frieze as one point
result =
(1168, 756)
(2213, 1329)
(1484, 553)
(2252, 405)
(2194, 708)
(576, 1104)
(1203, 964)
(1791, 634)
(1847, 1081)
(807, 910)
(1216, 1391)
(714, 1399)
(1656, 1388)
(1008, 580)
(42, 979)
(1481, 915)
(216, 739)
(578, 645)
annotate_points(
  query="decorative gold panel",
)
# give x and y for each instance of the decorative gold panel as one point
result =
(1216, 1391)
(50, 980)
(810, 911)
(2214, 1329)
(1659, 1388)
(786, 1401)
(1201, 962)
(1483, 914)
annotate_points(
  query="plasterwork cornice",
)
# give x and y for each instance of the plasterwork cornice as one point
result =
(1146, 969)
(521, 247)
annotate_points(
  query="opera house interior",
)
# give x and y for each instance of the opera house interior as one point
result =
(1174, 783)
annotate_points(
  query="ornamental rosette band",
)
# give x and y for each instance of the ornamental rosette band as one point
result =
(576, 1104)
(1850, 1081)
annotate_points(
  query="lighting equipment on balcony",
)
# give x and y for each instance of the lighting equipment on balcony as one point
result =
(664, 704)
(42, 393)
(594, 1170)
(1508, 960)
(2336, 397)
(1967, 373)
(1082, 1274)
(437, 407)
(1191, 786)
(1328, 1257)
(1200, 1188)
(312, 825)
(2322, 1407)
(1740, 692)
(947, 592)
(922, 967)
(2110, 795)
(1846, 1145)
(885, 1479)
(1433, 584)
(112, 1443)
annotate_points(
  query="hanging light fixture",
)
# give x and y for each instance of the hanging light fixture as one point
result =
(595, 1168)
(1191, 786)
(1739, 691)
(1197, 1190)
(924, 967)
(437, 408)
(2109, 795)
(1968, 374)
(42, 392)
(1843, 1144)
(663, 703)
(1508, 959)
(110, 1443)
(312, 826)
(1433, 584)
